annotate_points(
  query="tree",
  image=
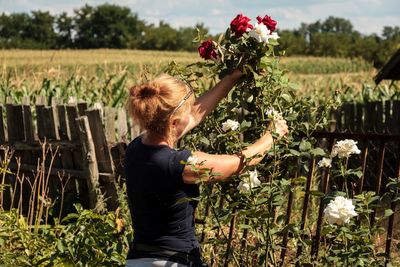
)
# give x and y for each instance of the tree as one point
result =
(107, 25)
(14, 29)
(64, 27)
(293, 42)
(163, 37)
(41, 30)
(337, 25)
(391, 32)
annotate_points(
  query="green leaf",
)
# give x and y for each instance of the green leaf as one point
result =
(70, 217)
(294, 86)
(60, 246)
(305, 146)
(244, 226)
(388, 212)
(205, 141)
(317, 193)
(294, 152)
(299, 180)
(317, 152)
(261, 201)
(287, 97)
(245, 124)
(250, 99)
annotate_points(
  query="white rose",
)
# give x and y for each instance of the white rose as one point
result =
(253, 175)
(274, 114)
(325, 163)
(192, 160)
(274, 36)
(244, 187)
(344, 148)
(230, 125)
(262, 34)
(339, 211)
(250, 182)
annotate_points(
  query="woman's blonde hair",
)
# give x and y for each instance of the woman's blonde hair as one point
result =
(152, 105)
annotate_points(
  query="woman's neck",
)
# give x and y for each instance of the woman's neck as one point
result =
(152, 139)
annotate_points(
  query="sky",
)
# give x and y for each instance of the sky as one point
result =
(367, 16)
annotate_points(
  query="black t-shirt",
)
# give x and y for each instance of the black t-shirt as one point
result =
(155, 191)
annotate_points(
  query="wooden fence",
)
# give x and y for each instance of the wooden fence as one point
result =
(369, 117)
(76, 148)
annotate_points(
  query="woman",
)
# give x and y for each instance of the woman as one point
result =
(156, 177)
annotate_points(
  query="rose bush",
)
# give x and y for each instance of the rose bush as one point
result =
(253, 203)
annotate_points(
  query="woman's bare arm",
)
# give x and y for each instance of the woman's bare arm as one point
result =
(224, 166)
(207, 102)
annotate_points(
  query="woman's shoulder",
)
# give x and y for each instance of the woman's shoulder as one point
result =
(134, 143)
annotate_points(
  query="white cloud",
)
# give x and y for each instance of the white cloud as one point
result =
(370, 25)
(216, 12)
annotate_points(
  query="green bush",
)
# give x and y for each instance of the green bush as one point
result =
(84, 238)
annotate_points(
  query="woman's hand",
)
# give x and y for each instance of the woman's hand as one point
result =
(280, 128)
(206, 103)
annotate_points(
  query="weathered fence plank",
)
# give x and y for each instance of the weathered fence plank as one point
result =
(90, 162)
(15, 122)
(39, 118)
(109, 124)
(29, 130)
(122, 125)
(103, 154)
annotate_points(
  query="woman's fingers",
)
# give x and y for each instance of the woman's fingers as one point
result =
(281, 127)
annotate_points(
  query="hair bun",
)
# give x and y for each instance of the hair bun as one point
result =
(144, 91)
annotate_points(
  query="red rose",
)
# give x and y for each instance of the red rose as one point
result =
(206, 50)
(268, 21)
(240, 24)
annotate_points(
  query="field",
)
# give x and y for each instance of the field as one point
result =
(26, 70)
(240, 228)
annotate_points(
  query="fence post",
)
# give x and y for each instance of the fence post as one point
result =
(103, 155)
(96, 200)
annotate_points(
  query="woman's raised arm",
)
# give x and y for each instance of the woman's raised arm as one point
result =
(207, 102)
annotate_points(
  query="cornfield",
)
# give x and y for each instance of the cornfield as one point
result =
(104, 75)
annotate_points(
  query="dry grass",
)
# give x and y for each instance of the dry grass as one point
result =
(55, 58)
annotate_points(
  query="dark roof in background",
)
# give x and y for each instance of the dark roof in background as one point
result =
(391, 70)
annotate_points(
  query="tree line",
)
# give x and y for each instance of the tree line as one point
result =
(113, 26)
